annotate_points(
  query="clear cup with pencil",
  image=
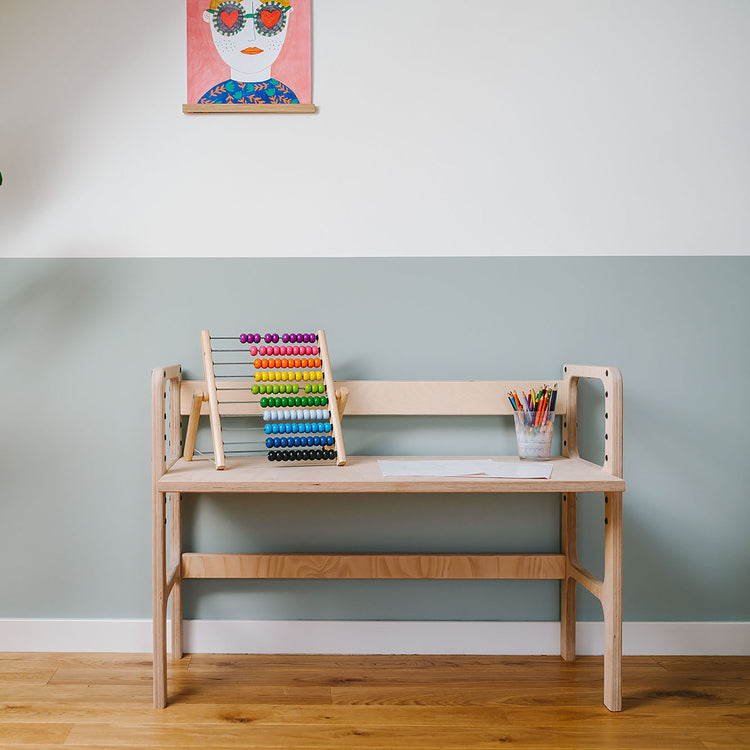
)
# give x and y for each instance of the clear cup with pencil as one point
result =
(534, 418)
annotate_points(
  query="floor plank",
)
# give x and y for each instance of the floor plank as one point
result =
(372, 702)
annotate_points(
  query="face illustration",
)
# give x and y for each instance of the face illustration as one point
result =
(248, 34)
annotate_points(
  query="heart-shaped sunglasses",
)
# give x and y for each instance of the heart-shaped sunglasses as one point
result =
(230, 18)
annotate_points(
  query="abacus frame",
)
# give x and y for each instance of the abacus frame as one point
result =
(172, 477)
(207, 402)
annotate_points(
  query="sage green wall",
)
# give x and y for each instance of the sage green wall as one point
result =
(79, 338)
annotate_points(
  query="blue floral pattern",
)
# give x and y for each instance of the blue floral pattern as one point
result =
(250, 92)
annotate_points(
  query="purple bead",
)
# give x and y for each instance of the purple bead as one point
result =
(293, 338)
(268, 338)
(276, 338)
(243, 338)
(285, 338)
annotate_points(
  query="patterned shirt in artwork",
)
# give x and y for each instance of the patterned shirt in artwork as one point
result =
(251, 92)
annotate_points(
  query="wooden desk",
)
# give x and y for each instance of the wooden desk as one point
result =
(173, 476)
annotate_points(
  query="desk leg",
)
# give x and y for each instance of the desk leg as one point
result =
(568, 585)
(160, 599)
(612, 601)
(175, 555)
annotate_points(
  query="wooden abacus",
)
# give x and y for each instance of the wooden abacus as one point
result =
(291, 389)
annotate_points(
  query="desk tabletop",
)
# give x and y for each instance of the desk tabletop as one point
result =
(363, 474)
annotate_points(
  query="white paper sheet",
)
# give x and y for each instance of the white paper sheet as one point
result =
(479, 468)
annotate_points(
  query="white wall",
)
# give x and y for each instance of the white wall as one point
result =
(444, 128)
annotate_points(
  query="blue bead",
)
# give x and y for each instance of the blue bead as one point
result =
(268, 429)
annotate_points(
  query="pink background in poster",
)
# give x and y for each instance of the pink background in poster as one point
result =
(205, 68)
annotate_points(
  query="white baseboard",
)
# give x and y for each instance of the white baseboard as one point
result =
(375, 637)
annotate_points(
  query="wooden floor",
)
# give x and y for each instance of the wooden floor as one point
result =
(396, 702)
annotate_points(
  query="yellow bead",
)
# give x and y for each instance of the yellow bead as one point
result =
(305, 376)
(264, 375)
(257, 376)
(284, 376)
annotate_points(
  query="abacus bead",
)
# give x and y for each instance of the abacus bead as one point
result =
(268, 429)
(276, 338)
(243, 338)
(285, 338)
(267, 338)
(256, 389)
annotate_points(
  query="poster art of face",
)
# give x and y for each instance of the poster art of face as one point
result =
(248, 52)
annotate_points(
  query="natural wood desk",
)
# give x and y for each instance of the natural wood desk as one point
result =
(173, 476)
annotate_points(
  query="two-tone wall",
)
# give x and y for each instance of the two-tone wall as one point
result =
(480, 195)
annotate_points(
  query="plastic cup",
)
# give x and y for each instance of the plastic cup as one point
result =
(534, 440)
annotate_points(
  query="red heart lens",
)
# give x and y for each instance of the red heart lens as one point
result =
(269, 18)
(229, 17)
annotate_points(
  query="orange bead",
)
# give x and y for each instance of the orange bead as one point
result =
(257, 364)
(277, 363)
(318, 363)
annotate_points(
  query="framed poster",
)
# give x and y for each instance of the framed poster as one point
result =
(249, 56)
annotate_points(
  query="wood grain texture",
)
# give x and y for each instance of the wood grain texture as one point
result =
(209, 109)
(488, 567)
(401, 397)
(363, 474)
(408, 702)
